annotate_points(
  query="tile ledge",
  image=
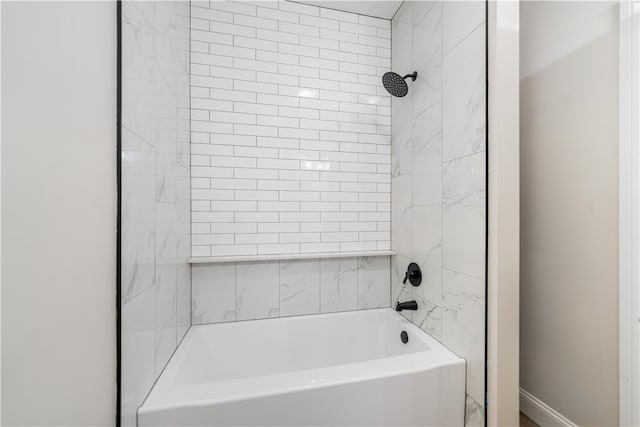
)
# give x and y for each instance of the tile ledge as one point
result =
(273, 257)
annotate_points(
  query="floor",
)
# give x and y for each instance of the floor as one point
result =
(526, 421)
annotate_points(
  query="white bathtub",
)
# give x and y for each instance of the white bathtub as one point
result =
(342, 369)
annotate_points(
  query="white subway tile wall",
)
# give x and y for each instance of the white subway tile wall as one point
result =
(290, 129)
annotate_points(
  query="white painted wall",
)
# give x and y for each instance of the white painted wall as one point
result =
(503, 282)
(629, 211)
(59, 213)
(569, 208)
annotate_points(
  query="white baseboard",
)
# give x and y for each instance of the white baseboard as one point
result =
(541, 413)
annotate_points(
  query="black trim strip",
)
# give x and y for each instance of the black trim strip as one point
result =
(119, 214)
(486, 214)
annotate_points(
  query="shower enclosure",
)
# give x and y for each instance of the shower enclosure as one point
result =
(286, 159)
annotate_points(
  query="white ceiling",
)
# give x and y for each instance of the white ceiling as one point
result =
(380, 9)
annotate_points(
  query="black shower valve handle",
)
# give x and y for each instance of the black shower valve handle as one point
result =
(413, 275)
(409, 275)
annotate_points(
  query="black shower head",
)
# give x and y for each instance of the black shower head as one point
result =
(395, 84)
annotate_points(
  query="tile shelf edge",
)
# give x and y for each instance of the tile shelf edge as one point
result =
(275, 257)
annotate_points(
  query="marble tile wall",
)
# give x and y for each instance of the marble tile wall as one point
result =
(255, 290)
(156, 278)
(438, 192)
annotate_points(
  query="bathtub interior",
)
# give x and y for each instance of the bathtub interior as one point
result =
(235, 350)
(415, 165)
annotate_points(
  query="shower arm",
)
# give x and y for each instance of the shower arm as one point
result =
(412, 75)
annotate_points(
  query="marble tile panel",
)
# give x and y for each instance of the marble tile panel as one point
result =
(474, 413)
(402, 142)
(373, 282)
(427, 59)
(460, 18)
(183, 299)
(165, 290)
(257, 290)
(463, 317)
(426, 157)
(428, 317)
(401, 215)
(299, 287)
(138, 216)
(338, 284)
(214, 293)
(420, 9)
(138, 353)
(464, 215)
(427, 251)
(165, 344)
(401, 36)
(463, 97)
(404, 15)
